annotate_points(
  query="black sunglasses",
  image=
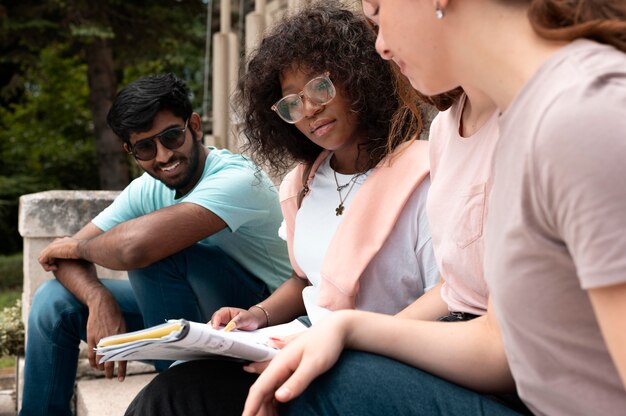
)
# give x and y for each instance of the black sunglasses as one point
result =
(146, 149)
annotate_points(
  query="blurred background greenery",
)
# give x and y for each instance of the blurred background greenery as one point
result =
(11, 327)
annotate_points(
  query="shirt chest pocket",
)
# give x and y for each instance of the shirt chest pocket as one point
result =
(471, 216)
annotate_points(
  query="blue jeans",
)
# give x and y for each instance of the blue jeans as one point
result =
(191, 284)
(366, 384)
(360, 384)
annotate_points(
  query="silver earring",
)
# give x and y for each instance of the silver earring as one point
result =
(439, 11)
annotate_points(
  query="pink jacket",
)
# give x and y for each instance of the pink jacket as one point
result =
(373, 212)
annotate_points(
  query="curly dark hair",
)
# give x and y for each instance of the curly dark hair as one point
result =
(322, 37)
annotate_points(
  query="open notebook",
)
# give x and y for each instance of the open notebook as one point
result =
(180, 339)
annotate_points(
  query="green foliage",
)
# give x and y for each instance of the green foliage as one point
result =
(9, 297)
(11, 326)
(172, 41)
(12, 330)
(46, 138)
(91, 31)
(11, 272)
(11, 187)
(48, 134)
(7, 362)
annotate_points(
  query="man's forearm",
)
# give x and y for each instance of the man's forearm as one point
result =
(108, 251)
(129, 245)
(139, 242)
(80, 278)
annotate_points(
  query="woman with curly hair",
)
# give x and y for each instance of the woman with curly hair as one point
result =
(317, 94)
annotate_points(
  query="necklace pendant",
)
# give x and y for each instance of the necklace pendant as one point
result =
(339, 210)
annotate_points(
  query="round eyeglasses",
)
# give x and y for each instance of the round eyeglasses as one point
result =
(146, 149)
(318, 91)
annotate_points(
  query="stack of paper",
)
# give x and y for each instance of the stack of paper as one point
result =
(185, 340)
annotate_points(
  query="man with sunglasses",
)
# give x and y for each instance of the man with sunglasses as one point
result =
(197, 231)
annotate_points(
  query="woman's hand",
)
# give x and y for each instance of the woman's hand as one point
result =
(245, 320)
(280, 343)
(298, 364)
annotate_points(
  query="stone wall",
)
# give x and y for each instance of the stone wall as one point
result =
(45, 216)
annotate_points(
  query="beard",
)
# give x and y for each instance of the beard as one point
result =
(186, 177)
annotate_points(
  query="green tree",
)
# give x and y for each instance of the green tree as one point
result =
(111, 38)
(45, 138)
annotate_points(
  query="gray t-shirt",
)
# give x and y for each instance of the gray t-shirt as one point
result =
(557, 227)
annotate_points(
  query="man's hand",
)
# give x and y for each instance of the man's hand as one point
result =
(61, 248)
(105, 319)
(80, 278)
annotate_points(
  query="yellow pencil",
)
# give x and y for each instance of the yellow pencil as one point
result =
(230, 326)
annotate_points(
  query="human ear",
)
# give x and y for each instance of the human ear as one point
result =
(195, 124)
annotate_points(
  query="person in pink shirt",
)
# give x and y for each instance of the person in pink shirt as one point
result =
(554, 239)
(462, 141)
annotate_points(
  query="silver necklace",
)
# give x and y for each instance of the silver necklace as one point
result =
(340, 208)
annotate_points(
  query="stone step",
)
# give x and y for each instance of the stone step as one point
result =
(7, 392)
(89, 382)
(103, 397)
(7, 403)
(7, 378)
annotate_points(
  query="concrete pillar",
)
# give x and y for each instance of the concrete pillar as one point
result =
(45, 216)
(207, 63)
(255, 26)
(234, 60)
(220, 89)
(225, 75)
(295, 5)
(225, 10)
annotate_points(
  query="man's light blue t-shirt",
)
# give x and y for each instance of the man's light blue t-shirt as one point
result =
(231, 188)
